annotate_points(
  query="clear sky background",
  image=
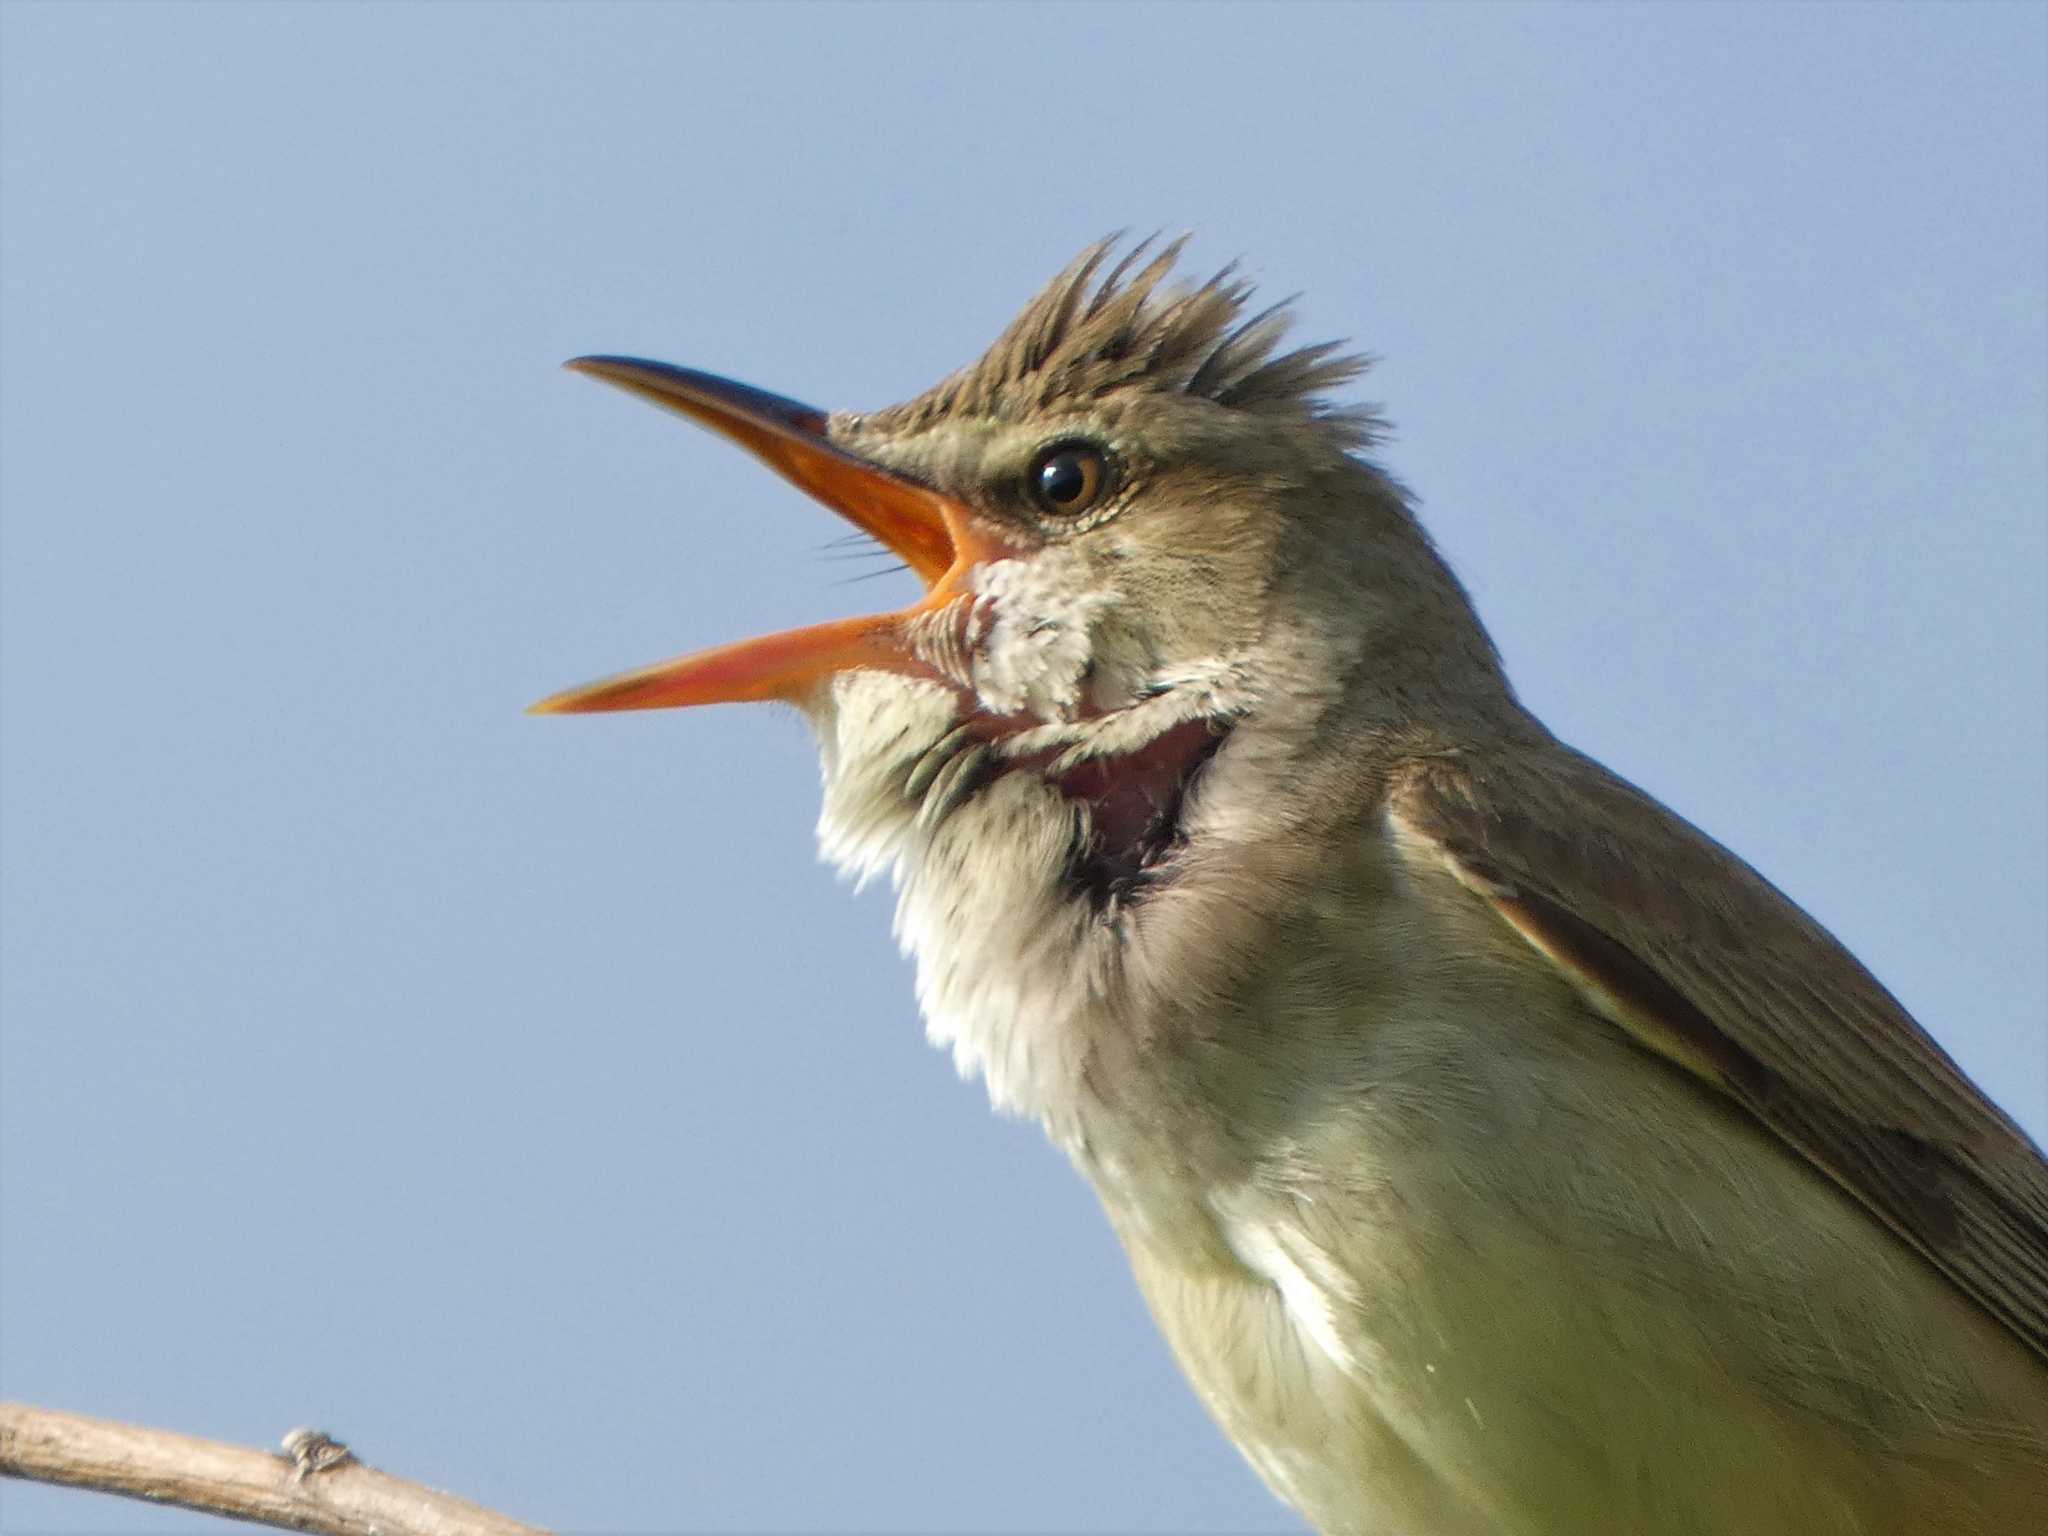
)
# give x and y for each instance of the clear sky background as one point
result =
(518, 1098)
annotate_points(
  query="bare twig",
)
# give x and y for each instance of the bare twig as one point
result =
(316, 1485)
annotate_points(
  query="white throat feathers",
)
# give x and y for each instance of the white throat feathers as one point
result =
(1026, 798)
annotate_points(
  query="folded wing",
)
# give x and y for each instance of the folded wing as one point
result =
(1701, 960)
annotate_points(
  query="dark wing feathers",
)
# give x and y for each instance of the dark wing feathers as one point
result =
(1703, 961)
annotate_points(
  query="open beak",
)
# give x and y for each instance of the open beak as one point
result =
(928, 531)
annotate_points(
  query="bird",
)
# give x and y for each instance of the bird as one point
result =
(1498, 1154)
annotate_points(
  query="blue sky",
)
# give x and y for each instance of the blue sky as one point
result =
(518, 1098)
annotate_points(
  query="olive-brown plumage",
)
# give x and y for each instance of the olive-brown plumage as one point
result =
(1498, 1153)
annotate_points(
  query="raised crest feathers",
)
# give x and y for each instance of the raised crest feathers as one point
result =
(1101, 327)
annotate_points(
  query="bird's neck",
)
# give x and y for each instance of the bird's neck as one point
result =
(1070, 919)
(1062, 996)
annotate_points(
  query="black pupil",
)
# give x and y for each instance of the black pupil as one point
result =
(1063, 479)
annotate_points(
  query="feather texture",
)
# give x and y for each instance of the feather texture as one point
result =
(1090, 332)
(1706, 963)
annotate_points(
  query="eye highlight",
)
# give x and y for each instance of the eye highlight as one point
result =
(1069, 478)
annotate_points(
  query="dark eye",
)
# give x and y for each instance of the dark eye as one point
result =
(1069, 478)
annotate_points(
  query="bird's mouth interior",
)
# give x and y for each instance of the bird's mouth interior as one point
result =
(1135, 797)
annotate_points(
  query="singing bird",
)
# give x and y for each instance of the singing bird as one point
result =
(1499, 1155)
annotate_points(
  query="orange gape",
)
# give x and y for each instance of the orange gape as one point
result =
(933, 534)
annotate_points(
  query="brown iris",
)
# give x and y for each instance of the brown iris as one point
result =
(1069, 478)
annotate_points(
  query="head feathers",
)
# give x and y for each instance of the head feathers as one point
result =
(1089, 334)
